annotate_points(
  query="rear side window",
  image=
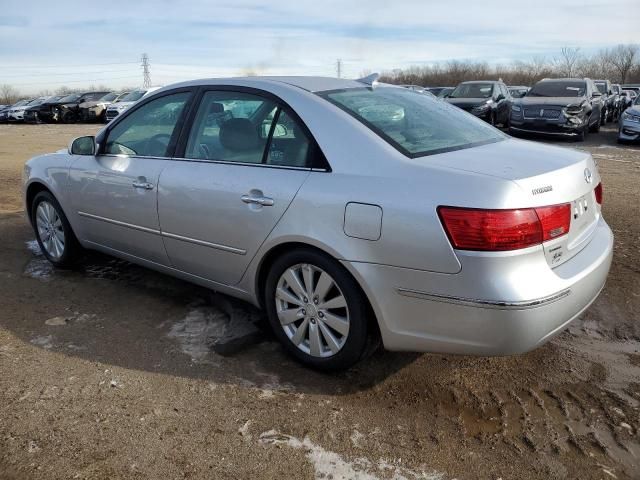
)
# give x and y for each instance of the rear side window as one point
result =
(245, 128)
(147, 130)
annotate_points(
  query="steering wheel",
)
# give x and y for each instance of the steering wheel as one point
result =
(157, 145)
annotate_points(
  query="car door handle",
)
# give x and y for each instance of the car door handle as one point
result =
(264, 201)
(145, 185)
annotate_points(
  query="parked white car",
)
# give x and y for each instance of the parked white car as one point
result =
(16, 112)
(116, 109)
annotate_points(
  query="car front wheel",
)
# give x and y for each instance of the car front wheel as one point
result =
(316, 310)
(53, 232)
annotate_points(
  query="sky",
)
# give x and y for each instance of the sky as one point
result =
(48, 44)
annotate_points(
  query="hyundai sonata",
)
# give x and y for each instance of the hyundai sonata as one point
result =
(347, 209)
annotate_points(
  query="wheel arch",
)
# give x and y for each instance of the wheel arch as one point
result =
(32, 190)
(278, 250)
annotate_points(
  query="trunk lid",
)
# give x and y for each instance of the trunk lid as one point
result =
(546, 176)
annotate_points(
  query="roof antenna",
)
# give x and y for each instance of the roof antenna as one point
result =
(371, 80)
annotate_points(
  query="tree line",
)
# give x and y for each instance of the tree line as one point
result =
(620, 64)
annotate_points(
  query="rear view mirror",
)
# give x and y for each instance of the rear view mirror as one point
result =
(83, 146)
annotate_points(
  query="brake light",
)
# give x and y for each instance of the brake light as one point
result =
(598, 192)
(500, 230)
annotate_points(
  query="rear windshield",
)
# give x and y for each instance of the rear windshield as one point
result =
(134, 96)
(415, 124)
(558, 89)
(472, 90)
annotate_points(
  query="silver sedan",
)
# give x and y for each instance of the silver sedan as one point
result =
(349, 210)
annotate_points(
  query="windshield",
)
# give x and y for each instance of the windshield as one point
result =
(70, 98)
(134, 96)
(472, 90)
(415, 124)
(20, 103)
(558, 89)
(108, 97)
(37, 101)
(602, 87)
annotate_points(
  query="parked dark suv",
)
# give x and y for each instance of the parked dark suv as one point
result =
(558, 106)
(67, 109)
(609, 100)
(488, 100)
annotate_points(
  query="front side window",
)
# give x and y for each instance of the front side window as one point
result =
(472, 90)
(147, 130)
(415, 124)
(240, 127)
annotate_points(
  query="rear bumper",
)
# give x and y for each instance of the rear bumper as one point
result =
(495, 306)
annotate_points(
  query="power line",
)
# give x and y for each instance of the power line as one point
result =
(106, 80)
(146, 75)
(68, 65)
(65, 73)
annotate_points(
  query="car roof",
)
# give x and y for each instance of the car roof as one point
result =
(481, 81)
(311, 84)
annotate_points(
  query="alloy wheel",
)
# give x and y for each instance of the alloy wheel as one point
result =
(312, 310)
(50, 230)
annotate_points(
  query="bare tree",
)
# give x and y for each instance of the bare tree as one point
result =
(567, 61)
(623, 58)
(8, 94)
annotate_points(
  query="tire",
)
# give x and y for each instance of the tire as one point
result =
(339, 344)
(581, 135)
(492, 118)
(53, 232)
(595, 128)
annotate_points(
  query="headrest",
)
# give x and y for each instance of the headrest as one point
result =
(216, 107)
(239, 134)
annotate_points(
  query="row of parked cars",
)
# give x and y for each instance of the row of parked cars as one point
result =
(76, 107)
(569, 107)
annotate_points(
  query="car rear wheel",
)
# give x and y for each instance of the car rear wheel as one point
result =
(316, 310)
(53, 232)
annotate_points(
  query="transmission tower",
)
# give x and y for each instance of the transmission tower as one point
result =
(339, 68)
(146, 82)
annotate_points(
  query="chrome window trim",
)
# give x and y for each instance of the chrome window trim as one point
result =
(223, 162)
(247, 164)
(496, 304)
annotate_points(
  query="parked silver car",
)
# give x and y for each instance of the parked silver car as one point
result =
(629, 124)
(348, 210)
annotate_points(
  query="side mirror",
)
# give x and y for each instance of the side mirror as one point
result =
(280, 131)
(83, 146)
(500, 97)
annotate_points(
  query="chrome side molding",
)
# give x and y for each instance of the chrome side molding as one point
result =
(497, 304)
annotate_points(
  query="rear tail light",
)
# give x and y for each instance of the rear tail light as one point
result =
(500, 230)
(598, 192)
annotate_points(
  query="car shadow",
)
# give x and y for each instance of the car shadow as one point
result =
(117, 313)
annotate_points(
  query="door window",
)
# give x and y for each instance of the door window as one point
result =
(147, 130)
(241, 127)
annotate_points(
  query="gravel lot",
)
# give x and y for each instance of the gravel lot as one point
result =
(114, 371)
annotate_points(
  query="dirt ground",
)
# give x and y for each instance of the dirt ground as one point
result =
(112, 371)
